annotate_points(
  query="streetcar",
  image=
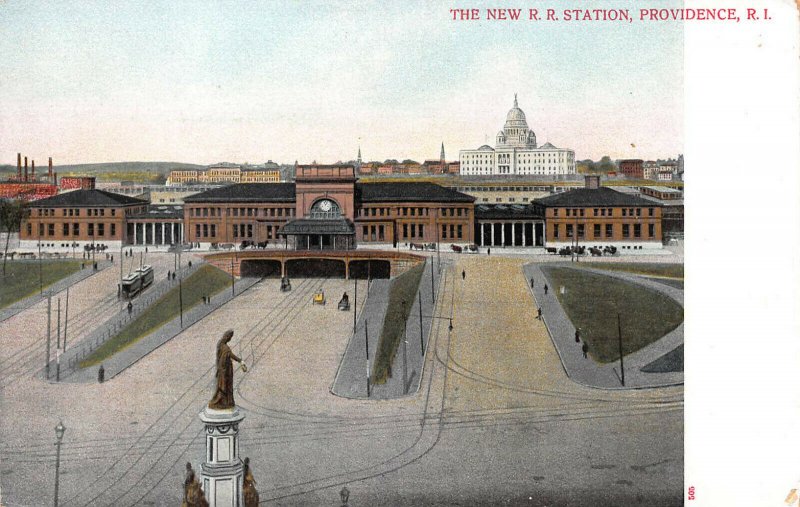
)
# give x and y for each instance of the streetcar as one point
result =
(137, 281)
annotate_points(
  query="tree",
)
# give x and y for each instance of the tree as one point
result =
(11, 213)
(606, 165)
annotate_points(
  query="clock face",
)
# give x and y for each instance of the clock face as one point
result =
(325, 205)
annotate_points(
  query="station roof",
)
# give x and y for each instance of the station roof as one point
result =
(507, 212)
(319, 226)
(87, 199)
(410, 191)
(156, 211)
(587, 197)
(247, 192)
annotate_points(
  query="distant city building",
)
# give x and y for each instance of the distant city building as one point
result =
(26, 186)
(226, 173)
(632, 168)
(516, 152)
(68, 183)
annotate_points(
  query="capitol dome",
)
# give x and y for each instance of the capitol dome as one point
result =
(516, 117)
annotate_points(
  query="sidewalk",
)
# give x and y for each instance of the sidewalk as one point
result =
(588, 372)
(350, 381)
(145, 345)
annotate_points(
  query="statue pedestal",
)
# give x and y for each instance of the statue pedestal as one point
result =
(222, 472)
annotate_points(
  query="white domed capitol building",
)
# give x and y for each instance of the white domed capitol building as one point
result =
(516, 153)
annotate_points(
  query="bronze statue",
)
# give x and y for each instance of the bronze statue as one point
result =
(249, 486)
(223, 396)
(192, 493)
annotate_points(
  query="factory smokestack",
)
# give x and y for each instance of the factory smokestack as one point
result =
(26, 169)
(49, 166)
(55, 179)
(19, 166)
(33, 170)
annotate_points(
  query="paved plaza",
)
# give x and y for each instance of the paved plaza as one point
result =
(496, 419)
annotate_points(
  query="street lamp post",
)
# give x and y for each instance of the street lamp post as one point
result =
(59, 435)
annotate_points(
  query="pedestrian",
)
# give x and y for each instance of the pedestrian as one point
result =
(173, 275)
(577, 335)
(190, 264)
(101, 374)
(94, 266)
(169, 275)
(112, 257)
(82, 265)
(585, 349)
(531, 283)
(488, 252)
(130, 307)
(545, 289)
(463, 274)
(208, 300)
(539, 313)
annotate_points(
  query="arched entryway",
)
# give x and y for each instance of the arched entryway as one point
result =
(370, 269)
(261, 268)
(315, 268)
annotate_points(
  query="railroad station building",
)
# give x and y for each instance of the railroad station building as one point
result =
(599, 216)
(79, 217)
(327, 208)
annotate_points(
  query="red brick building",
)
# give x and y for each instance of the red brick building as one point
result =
(328, 208)
(82, 217)
(632, 168)
(598, 216)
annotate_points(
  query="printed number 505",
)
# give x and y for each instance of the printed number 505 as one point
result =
(691, 493)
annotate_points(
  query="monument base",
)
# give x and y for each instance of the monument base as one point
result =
(222, 473)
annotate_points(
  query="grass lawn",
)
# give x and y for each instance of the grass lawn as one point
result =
(592, 301)
(206, 281)
(404, 287)
(22, 278)
(669, 270)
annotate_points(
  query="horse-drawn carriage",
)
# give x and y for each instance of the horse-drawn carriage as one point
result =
(473, 248)
(344, 303)
(286, 285)
(456, 248)
(319, 298)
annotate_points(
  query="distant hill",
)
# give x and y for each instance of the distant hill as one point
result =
(141, 172)
(114, 167)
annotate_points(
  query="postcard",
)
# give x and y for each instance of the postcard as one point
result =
(399, 253)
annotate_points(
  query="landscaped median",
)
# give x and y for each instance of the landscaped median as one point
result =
(404, 288)
(23, 278)
(206, 281)
(592, 302)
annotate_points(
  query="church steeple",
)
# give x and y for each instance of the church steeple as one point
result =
(441, 155)
(358, 159)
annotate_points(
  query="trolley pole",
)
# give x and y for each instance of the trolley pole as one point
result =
(366, 341)
(621, 364)
(355, 304)
(421, 341)
(66, 321)
(58, 325)
(47, 359)
(405, 344)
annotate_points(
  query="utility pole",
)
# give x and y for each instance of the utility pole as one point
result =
(47, 359)
(433, 293)
(180, 284)
(405, 356)
(621, 364)
(421, 341)
(58, 326)
(355, 304)
(66, 321)
(366, 340)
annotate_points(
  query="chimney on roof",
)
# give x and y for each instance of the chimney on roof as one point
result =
(26, 169)
(19, 166)
(592, 181)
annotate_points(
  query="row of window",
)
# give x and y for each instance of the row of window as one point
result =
(241, 212)
(604, 231)
(604, 212)
(74, 229)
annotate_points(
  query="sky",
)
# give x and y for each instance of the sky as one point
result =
(204, 82)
